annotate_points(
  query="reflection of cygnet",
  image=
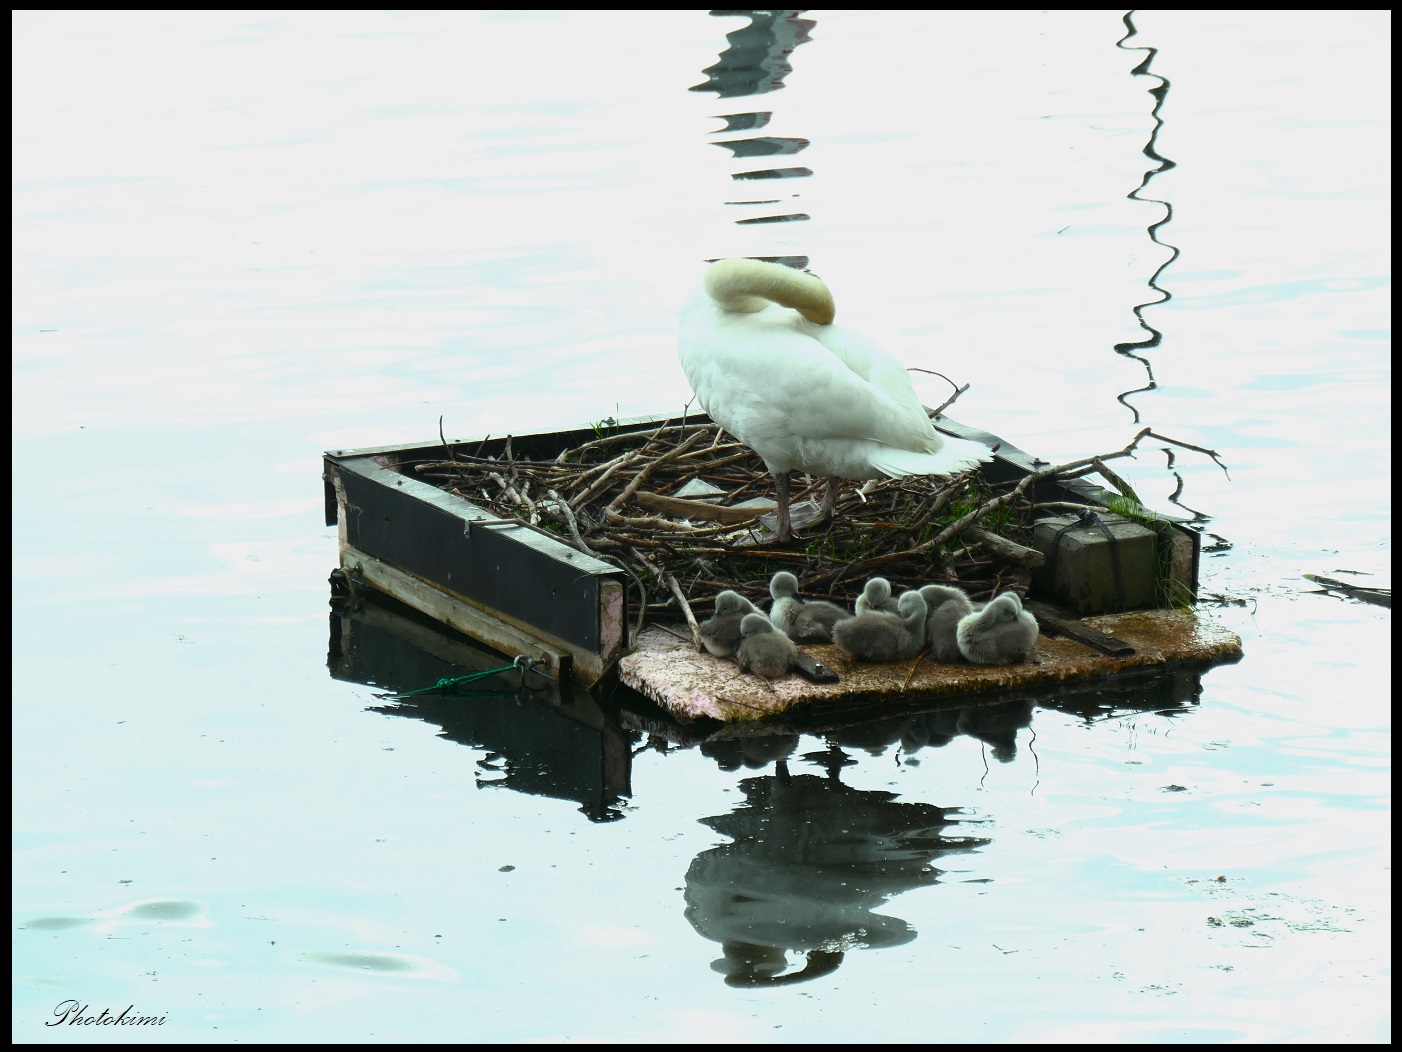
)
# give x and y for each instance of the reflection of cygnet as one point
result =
(721, 633)
(763, 650)
(807, 621)
(877, 636)
(876, 595)
(946, 606)
(1000, 634)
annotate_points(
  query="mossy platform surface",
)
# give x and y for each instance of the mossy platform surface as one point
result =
(691, 686)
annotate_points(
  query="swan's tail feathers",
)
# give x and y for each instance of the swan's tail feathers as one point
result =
(969, 453)
(954, 456)
(748, 285)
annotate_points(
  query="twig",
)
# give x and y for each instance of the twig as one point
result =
(632, 486)
(1216, 457)
(911, 674)
(1126, 490)
(442, 438)
(948, 401)
(602, 480)
(624, 437)
(686, 610)
(570, 520)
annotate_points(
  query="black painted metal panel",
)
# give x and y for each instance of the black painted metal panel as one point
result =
(513, 569)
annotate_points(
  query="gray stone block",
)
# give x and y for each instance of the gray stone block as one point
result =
(1080, 569)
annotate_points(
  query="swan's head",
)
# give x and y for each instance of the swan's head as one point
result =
(749, 285)
(783, 584)
(755, 625)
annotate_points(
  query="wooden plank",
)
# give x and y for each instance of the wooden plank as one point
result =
(1051, 622)
(552, 656)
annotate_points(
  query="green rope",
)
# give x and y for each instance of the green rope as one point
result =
(455, 684)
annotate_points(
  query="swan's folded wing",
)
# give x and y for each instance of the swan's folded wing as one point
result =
(778, 372)
(817, 396)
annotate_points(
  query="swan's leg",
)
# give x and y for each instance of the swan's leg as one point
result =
(781, 510)
(830, 499)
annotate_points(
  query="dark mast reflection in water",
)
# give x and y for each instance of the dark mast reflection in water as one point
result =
(755, 62)
(1162, 164)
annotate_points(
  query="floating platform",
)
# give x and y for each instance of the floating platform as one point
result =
(667, 669)
(526, 593)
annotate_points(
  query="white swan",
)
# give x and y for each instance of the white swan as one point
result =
(764, 650)
(803, 620)
(876, 636)
(947, 607)
(1001, 633)
(876, 595)
(759, 348)
(720, 634)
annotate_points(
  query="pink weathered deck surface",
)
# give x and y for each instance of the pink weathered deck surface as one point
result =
(666, 668)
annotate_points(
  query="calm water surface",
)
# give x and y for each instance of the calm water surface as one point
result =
(243, 239)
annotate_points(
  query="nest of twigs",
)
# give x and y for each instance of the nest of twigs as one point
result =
(615, 498)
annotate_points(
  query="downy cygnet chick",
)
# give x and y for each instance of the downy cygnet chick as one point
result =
(878, 636)
(721, 634)
(807, 621)
(1000, 634)
(946, 607)
(815, 622)
(783, 589)
(876, 595)
(764, 650)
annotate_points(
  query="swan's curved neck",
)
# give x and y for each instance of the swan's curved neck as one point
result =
(749, 285)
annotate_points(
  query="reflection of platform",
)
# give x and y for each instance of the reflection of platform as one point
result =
(541, 736)
(666, 668)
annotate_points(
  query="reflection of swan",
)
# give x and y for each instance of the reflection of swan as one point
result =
(876, 595)
(804, 620)
(810, 862)
(946, 606)
(721, 634)
(884, 637)
(764, 651)
(759, 348)
(1000, 634)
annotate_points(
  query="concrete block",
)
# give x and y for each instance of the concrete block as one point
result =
(1080, 569)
